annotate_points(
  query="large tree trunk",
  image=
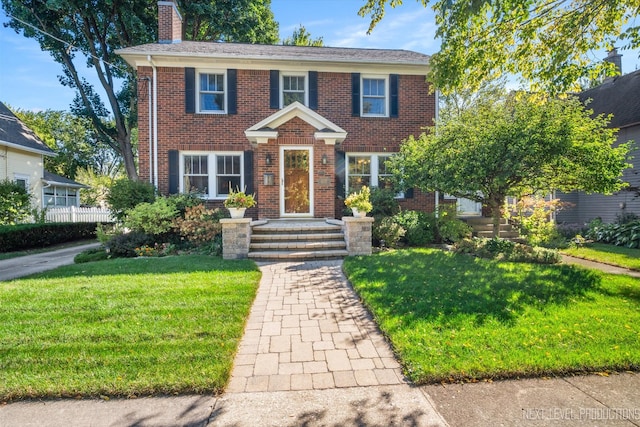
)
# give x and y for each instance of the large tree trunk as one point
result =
(495, 204)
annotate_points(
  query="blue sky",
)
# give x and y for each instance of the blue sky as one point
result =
(28, 76)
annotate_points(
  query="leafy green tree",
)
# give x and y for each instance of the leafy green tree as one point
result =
(301, 37)
(15, 203)
(522, 145)
(544, 41)
(125, 194)
(72, 138)
(247, 21)
(71, 30)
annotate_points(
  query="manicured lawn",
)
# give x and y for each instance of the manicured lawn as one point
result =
(453, 317)
(124, 327)
(610, 254)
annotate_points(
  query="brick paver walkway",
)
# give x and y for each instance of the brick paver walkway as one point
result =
(308, 331)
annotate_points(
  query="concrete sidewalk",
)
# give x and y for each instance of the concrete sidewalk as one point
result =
(37, 263)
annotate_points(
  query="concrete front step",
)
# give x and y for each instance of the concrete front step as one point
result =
(327, 244)
(295, 228)
(259, 236)
(489, 227)
(297, 255)
(482, 220)
(304, 239)
(503, 234)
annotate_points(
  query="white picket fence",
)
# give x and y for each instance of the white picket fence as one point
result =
(75, 214)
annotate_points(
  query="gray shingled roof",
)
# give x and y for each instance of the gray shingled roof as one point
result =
(619, 96)
(57, 179)
(14, 132)
(280, 52)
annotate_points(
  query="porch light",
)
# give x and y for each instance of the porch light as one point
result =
(324, 159)
(268, 159)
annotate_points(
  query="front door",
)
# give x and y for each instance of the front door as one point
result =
(296, 185)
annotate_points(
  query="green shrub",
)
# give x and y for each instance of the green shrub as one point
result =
(151, 218)
(387, 232)
(125, 194)
(15, 203)
(90, 255)
(29, 236)
(627, 234)
(420, 227)
(450, 229)
(125, 245)
(506, 250)
(183, 201)
(384, 202)
(199, 225)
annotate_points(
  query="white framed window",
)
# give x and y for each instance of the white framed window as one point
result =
(212, 91)
(210, 174)
(375, 96)
(294, 88)
(22, 180)
(368, 169)
(55, 196)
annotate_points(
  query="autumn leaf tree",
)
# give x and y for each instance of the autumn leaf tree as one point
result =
(517, 146)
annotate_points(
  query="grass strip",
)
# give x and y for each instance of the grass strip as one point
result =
(609, 254)
(124, 327)
(458, 318)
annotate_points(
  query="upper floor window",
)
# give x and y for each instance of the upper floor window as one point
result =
(374, 96)
(211, 92)
(210, 175)
(294, 88)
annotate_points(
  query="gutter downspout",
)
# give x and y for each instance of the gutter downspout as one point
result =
(148, 80)
(155, 122)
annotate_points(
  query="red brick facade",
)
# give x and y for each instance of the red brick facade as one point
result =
(178, 130)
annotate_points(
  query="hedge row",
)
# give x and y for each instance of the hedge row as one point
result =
(31, 236)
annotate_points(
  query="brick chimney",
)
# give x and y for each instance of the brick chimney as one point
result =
(615, 58)
(169, 23)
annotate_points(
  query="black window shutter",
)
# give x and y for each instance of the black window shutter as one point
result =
(355, 94)
(174, 171)
(408, 194)
(274, 89)
(232, 89)
(340, 174)
(393, 92)
(313, 90)
(190, 90)
(248, 171)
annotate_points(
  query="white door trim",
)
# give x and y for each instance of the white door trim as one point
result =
(309, 214)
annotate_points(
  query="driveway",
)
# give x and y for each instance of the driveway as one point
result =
(36, 263)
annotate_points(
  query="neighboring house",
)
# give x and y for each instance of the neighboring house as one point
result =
(619, 96)
(297, 126)
(22, 160)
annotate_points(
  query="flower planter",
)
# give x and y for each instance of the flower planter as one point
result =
(357, 213)
(237, 213)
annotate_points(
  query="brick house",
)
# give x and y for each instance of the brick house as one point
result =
(297, 126)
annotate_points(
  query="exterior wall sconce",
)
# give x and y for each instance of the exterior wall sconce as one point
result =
(268, 159)
(324, 159)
